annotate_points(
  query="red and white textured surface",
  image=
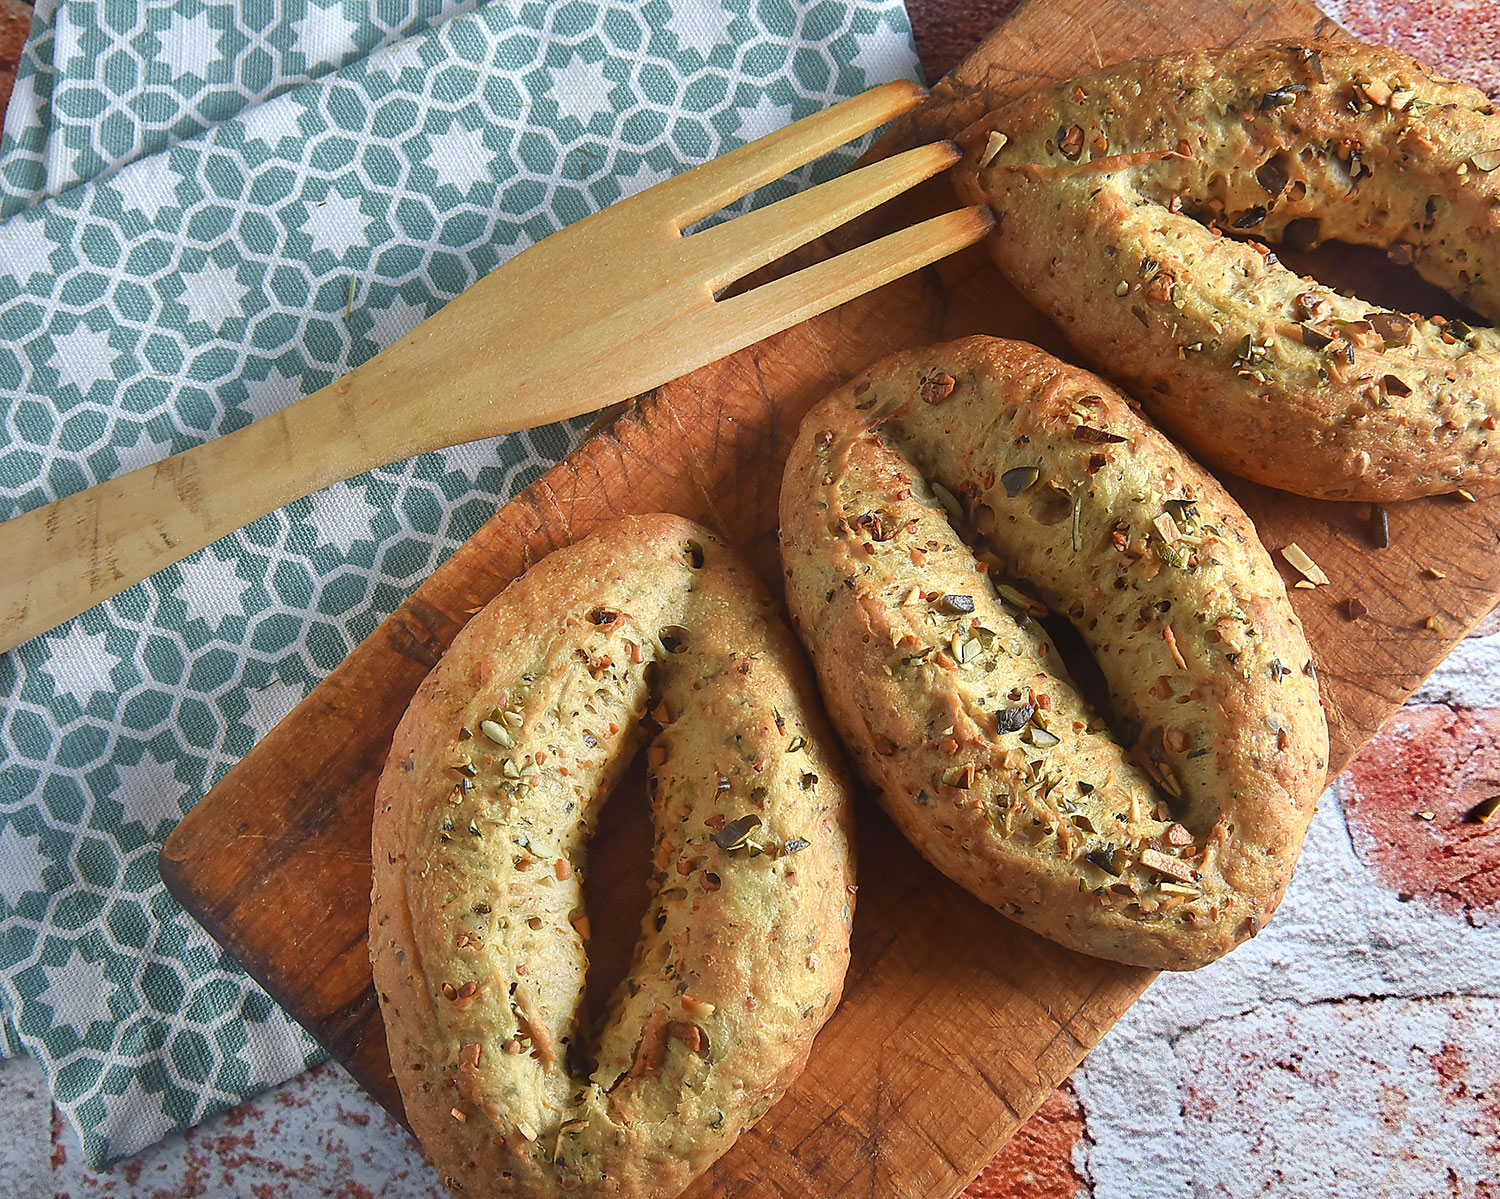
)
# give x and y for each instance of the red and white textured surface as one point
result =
(1352, 1050)
(1461, 37)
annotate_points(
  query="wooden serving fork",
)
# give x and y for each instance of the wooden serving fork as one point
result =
(600, 311)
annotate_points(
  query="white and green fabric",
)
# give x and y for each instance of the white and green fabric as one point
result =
(192, 192)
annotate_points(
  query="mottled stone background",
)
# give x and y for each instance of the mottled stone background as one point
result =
(1353, 1050)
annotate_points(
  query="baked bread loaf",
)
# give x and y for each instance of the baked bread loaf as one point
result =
(956, 706)
(483, 815)
(1111, 193)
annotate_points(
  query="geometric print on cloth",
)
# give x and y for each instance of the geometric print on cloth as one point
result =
(265, 231)
(102, 83)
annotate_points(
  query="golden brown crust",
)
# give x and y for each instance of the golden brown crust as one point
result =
(960, 714)
(482, 819)
(1097, 183)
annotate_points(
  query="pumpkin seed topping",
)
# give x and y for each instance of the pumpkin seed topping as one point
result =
(497, 733)
(1018, 479)
(1013, 720)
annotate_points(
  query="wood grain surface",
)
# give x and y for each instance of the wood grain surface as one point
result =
(956, 1024)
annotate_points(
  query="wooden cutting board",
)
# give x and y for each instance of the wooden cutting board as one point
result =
(955, 1024)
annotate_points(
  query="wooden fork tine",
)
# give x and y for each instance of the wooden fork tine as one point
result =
(708, 187)
(777, 305)
(512, 351)
(729, 251)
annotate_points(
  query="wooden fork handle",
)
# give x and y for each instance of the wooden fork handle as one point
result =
(64, 558)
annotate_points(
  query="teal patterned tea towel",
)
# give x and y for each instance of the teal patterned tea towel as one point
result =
(212, 207)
